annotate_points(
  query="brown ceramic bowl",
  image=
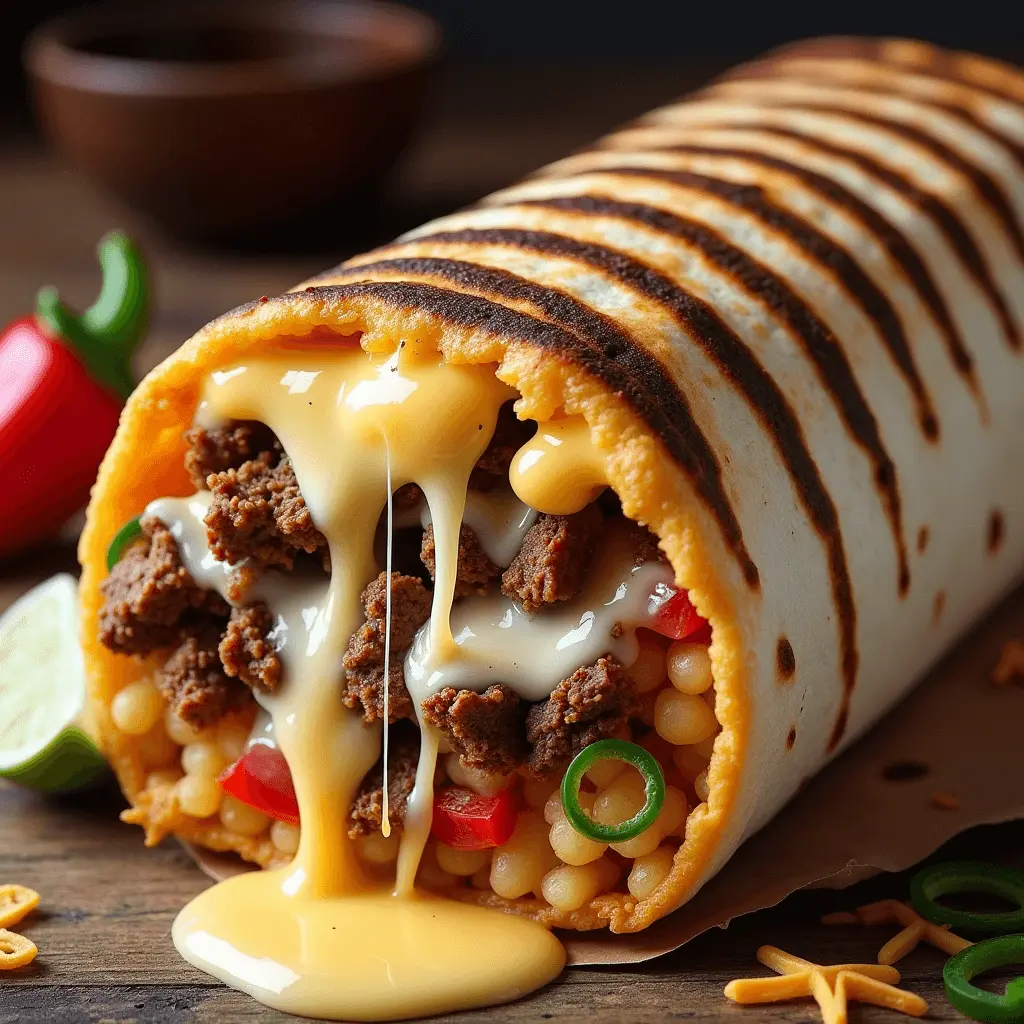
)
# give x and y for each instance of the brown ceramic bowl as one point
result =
(224, 120)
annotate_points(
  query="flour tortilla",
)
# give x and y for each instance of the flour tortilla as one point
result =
(794, 328)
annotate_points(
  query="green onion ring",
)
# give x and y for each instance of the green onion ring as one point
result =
(128, 534)
(613, 750)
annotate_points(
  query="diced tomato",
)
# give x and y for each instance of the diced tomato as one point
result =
(261, 779)
(465, 820)
(675, 616)
(702, 636)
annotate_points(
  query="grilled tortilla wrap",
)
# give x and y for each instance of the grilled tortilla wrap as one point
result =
(789, 309)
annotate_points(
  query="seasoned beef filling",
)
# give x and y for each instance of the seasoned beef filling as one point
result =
(485, 729)
(553, 562)
(368, 807)
(193, 681)
(594, 703)
(364, 659)
(510, 434)
(258, 516)
(151, 603)
(149, 597)
(223, 448)
(476, 572)
(246, 652)
(258, 513)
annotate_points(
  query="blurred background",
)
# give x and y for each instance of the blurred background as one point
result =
(245, 151)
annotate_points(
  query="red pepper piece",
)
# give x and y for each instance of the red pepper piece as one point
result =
(676, 617)
(63, 380)
(261, 778)
(702, 636)
(464, 820)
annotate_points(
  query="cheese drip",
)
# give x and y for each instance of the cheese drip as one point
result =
(498, 641)
(559, 470)
(321, 938)
(499, 519)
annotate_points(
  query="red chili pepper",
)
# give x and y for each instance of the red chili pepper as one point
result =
(675, 616)
(261, 778)
(63, 380)
(465, 820)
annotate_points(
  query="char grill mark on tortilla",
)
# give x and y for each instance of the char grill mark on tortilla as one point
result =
(859, 285)
(831, 257)
(946, 219)
(943, 65)
(818, 342)
(990, 191)
(888, 234)
(608, 350)
(735, 362)
(960, 110)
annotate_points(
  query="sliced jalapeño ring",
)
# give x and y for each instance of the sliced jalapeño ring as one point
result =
(965, 876)
(615, 750)
(977, 1003)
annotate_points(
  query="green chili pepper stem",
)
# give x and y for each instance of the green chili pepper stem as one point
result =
(618, 750)
(969, 876)
(128, 533)
(975, 1002)
(107, 333)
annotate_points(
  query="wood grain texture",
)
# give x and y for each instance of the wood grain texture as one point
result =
(103, 928)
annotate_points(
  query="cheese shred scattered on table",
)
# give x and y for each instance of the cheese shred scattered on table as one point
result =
(832, 987)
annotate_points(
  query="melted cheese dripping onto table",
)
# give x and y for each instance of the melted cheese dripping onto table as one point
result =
(321, 937)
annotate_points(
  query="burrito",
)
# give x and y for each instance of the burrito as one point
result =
(692, 452)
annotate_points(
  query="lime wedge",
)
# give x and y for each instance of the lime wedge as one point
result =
(42, 692)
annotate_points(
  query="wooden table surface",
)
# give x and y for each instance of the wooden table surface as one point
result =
(104, 927)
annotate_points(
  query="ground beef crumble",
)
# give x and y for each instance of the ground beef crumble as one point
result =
(645, 545)
(258, 513)
(486, 730)
(245, 651)
(364, 660)
(368, 807)
(510, 434)
(476, 572)
(594, 703)
(555, 558)
(193, 681)
(258, 516)
(151, 602)
(223, 448)
(149, 596)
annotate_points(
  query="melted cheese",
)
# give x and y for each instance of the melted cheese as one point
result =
(532, 654)
(318, 938)
(372, 956)
(559, 470)
(499, 519)
(322, 937)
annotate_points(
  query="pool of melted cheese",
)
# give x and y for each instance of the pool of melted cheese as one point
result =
(320, 937)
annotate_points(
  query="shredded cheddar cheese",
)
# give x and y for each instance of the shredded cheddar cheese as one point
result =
(15, 950)
(832, 987)
(915, 929)
(15, 902)
(1010, 665)
(946, 801)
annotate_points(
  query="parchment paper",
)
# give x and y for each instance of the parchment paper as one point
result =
(850, 821)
